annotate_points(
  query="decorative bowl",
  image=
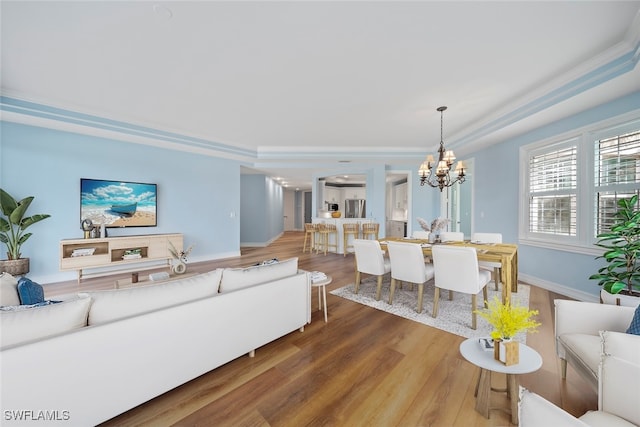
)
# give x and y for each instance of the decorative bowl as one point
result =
(336, 214)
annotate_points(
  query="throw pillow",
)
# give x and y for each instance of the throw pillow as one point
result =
(8, 290)
(30, 292)
(20, 326)
(110, 305)
(634, 327)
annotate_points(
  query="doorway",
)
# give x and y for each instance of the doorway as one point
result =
(456, 203)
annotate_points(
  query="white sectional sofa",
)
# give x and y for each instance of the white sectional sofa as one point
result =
(92, 357)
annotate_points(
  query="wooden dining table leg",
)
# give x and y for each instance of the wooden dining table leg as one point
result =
(506, 279)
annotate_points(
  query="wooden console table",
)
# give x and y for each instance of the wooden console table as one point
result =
(85, 254)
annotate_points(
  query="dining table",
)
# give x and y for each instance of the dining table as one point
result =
(504, 253)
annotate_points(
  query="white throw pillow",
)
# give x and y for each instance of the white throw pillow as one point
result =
(120, 303)
(25, 325)
(8, 290)
(238, 278)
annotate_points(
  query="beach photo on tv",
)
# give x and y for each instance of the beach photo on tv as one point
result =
(118, 203)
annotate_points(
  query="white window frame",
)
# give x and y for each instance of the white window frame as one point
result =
(584, 138)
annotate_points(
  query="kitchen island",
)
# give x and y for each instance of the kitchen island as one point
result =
(340, 236)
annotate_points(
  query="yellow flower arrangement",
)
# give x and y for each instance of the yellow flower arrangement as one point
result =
(508, 319)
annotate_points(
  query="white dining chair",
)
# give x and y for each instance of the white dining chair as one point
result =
(451, 236)
(420, 234)
(370, 260)
(408, 265)
(456, 269)
(494, 267)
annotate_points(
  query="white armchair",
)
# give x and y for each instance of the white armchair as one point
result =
(617, 400)
(577, 332)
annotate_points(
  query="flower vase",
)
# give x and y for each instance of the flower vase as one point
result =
(180, 267)
(507, 351)
(432, 237)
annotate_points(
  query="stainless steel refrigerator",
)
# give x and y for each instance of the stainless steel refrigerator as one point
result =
(355, 208)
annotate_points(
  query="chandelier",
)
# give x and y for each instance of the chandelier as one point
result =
(437, 175)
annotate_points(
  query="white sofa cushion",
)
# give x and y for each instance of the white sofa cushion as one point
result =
(38, 322)
(8, 290)
(120, 303)
(238, 278)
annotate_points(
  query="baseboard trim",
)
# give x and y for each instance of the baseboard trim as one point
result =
(558, 288)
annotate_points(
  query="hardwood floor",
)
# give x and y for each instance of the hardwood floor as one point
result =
(363, 368)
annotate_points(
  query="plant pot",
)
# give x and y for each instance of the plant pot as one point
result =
(15, 267)
(619, 299)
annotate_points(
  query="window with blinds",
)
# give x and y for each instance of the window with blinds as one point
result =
(571, 183)
(617, 175)
(553, 192)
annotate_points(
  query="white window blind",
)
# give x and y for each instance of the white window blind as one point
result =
(617, 175)
(553, 192)
(571, 183)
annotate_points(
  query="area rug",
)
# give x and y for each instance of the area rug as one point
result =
(453, 316)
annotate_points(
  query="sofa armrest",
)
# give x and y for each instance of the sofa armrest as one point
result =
(536, 411)
(578, 317)
(618, 387)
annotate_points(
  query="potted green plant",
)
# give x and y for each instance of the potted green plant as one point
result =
(12, 231)
(621, 274)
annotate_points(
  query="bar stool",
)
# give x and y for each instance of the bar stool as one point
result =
(326, 230)
(352, 229)
(370, 229)
(310, 231)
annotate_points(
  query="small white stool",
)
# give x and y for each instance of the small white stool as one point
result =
(322, 293)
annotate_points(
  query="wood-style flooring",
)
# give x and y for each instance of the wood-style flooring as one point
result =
(364, 367)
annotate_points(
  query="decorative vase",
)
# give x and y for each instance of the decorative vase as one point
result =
(180, 267)
(15, 267)
(507, 351)
(432, 237)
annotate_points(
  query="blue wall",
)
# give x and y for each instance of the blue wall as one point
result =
(262, 210)
(196, 193)
(497, 177)
(208, 200)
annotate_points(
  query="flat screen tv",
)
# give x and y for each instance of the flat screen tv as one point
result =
(118, 203)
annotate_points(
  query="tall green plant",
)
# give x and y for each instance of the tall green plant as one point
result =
(622, 247)
(12, 227)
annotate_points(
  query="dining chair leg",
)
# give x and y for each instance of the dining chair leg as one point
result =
(420, 295)
(450, 295)
(379, 290)
(357, 281)
(392, 290)
(436, 297)
(485, 297)
(496, 276)
(474, 301)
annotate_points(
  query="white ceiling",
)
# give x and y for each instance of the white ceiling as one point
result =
(302, 85)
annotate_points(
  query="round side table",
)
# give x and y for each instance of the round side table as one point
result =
(529, 361)
(322, 293)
